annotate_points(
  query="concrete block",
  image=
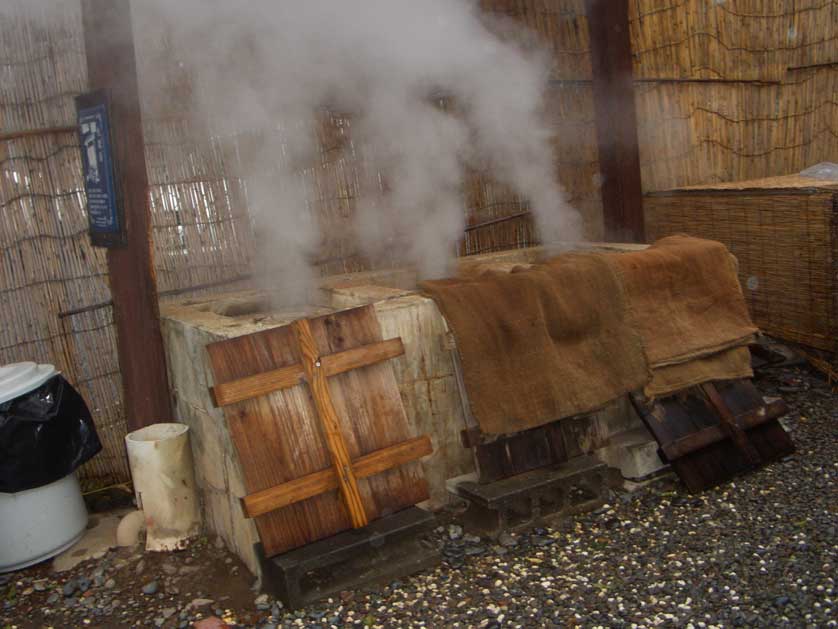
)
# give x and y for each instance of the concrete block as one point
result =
(634, 453)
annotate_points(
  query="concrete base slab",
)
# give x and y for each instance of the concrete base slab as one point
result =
(99, 537)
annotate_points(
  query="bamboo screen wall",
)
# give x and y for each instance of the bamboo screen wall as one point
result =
(724, 90)
(561, 27)
(748, 88)
(53, 284)
(48, 266)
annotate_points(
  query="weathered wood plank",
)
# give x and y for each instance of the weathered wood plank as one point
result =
(111, 65)
(327, 480)
(728, 424)
(710, 433)
(369, 404)
(338, 363)
(318, 382)
(333, 364)
(713, 434)
(279, 439)
(257, 385)
(616, 120)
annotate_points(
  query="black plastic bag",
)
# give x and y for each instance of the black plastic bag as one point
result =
(44, 436)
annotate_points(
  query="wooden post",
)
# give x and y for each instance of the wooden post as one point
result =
(616, 120)
(111, 65)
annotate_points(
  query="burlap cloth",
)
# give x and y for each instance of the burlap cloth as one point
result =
(548, 341)
(541, 343)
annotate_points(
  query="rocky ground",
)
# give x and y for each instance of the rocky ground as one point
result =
(760, 551)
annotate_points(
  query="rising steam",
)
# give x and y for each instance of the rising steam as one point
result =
(268, 64)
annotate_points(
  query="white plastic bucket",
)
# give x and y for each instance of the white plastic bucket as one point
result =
(164, 484)
(39, 523)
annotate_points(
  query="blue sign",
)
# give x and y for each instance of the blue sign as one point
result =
(103, 214)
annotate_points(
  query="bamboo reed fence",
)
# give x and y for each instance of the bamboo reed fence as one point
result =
(724, 90)
(734, 90)
(52, 281)
(745, 92)
(784, 233)
(48, 265)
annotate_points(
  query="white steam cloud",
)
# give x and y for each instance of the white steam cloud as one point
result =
(269, 64)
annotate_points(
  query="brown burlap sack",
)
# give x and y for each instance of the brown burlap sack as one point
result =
(566, 337)
(728, 364)
(543, 343)
(685, 299)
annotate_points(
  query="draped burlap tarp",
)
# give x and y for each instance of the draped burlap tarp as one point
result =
(568, 336)
(541, 343)
(688, 307)
(685, 298)
(728, 364)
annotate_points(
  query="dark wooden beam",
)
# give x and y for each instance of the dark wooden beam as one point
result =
(616, 120)
(111, 65)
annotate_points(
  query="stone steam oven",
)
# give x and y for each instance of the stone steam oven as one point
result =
(612, 441)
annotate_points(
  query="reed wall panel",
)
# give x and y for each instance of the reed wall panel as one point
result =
(784, 233)
(731, 39)
(53, 281)
(694, 133)
(721, 91)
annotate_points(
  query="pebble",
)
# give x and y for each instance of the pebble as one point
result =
(757, 551)
(150, 588)
(70, 587)
(506, 540)
(169, 569)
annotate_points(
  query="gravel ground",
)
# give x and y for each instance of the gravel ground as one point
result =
(759, 551)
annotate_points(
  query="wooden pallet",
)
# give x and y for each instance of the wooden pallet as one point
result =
(317, 420)
(713, 432)
(497, 457)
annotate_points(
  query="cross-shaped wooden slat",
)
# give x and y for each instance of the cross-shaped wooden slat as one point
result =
(315, 370)
(316, 377)
(285, 377)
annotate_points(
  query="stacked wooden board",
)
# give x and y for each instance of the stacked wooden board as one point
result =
(715, 431)
(319, 427)
(783, 231)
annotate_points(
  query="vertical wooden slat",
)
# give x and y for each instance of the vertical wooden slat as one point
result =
(111, 65)
(317, 381)
(616, 120)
